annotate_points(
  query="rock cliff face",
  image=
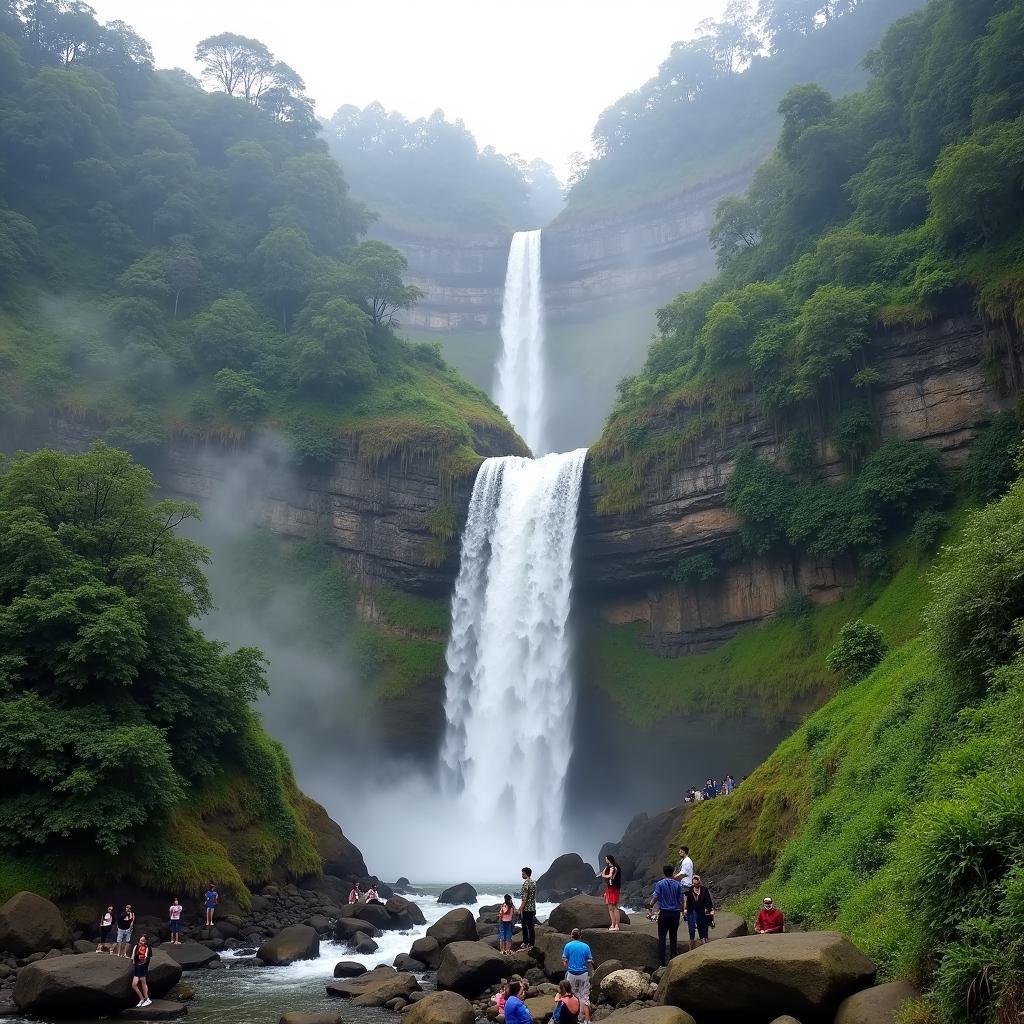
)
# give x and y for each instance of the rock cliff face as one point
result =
(935, 388)
(590, 267)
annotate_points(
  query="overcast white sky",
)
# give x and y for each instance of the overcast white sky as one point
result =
(527, 76)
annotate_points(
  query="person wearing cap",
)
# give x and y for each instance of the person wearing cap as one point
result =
(770, 920)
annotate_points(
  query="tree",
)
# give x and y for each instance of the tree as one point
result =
(242, 65)
(373, 277)
(229, 334)
(182, 268)
(333, 354)
(285, 264)
(242, 394)
(736, 227)
(732, 40)
(859, 648)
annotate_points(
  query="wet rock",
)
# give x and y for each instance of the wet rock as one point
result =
(582, 912)
(456, 926)
(346, 928)
(427, 951)
(297, 942)
(470, 968)
(349, 969)
(363, 944)
(399, 905)
(404, 962)
(441, 1008)
(400, 986)
(461, 893)
(190, 955)
(30, 924)
(350, 988)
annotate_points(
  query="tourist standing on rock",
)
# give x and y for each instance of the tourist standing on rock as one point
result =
(770, 920)
(567, 1006)
(685, 873)
(174, 913)
(106, 926)
(141, 955)
(668, 898)
(506, 924)
(515, 1009)
(212, 899)
(125, 923)
(577, 961)
(354, 894)
(612, 875)
(700, 912)
(528, 908)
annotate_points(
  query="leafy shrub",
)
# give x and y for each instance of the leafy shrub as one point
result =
(990, 465)
(794, 607)
(928, 528)
(241, 393)
(900, 476)
(853, 431)
(859, 648)
(312, 443)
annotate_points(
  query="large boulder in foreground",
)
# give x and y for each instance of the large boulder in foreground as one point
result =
(876, 1005)
(650, 1015)
(190, 955)
(807, 974)
(456, 926)
(441, 1008)
(351, 988)
(461, 893)
(30, 924)
(620, 988)
(399, 906)
(470, 968)
(427, 951)
(567, 873)
(401, 986)
(582, 912)
(88, 986)
(296, 942)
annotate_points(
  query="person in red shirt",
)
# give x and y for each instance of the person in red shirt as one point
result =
(770, 920)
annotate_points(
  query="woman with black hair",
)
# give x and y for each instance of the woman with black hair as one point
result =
(612, 875)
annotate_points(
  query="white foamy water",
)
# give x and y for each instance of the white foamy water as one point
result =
(509, 695)
(519, 383)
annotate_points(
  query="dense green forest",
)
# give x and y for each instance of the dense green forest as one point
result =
(187, 261)
(884, 210)
(430, 176)
(710, 110)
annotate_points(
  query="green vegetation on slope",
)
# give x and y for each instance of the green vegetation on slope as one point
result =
(896, 812)
(184, 262)
(125, 733)
(888, 208)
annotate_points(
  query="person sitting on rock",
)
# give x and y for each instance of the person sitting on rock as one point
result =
(700, 912)
(501, 995)
(770, 920)
(371, 894)
(141, 955)
(515, 1009)
(567, 1006)
(577, 962)
(354, 895)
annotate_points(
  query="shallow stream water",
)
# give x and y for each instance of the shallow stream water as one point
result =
(243, 993)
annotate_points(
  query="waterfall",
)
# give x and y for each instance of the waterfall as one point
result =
(509, 695)
(519, 387)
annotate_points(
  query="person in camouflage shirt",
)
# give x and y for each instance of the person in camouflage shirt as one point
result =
(528, 907)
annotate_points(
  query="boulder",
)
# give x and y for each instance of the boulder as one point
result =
(402, 882)
(30, 924)
(83, 946)
(427, 951)
(541, 1007)
(785, 1019)
(650, 1015)
(340, 857)
(876, 1005)
(635, 947)
(190, 955)
(620, 988)
(363, 944)
(441, 1008)
(88, 986)
(400, 986)
(296, 942)
(581, 912)
(398, 905)
(461, 893)
(567, 873)
(404, 962)
(320, 924)
(349, 969)
(350, 988)
(347, 927)
(158, 1009)
(182, 993)
(727, 926)
(456, 926)
(470, 968)
(602, 972)
(374, 914)
(804, 973)
(295, 1017)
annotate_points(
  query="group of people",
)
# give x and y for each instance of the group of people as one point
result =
(711, 789)
(357, 895)
(142, 952)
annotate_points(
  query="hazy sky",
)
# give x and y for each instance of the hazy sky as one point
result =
(527, 76)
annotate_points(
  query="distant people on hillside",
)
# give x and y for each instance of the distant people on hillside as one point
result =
(125, 923)
(684, 874)
(577, 962)
(174, 914)
(371, 894)
(141, 955)
(567, 1005)
(668, 900)
(106, 927)
(528, 908)
(212, 898)
(612, 875)
(506, 924)
(770, 920)
(515, 1009)
(700, 912)
(354, 894)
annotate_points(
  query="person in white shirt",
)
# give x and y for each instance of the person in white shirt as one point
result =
(685, 873)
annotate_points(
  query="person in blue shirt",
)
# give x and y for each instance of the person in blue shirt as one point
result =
(577, 960)
(515, 1009)
(668, 898)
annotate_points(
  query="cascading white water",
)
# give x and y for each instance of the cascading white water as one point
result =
(509, 695)
(519, 385)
